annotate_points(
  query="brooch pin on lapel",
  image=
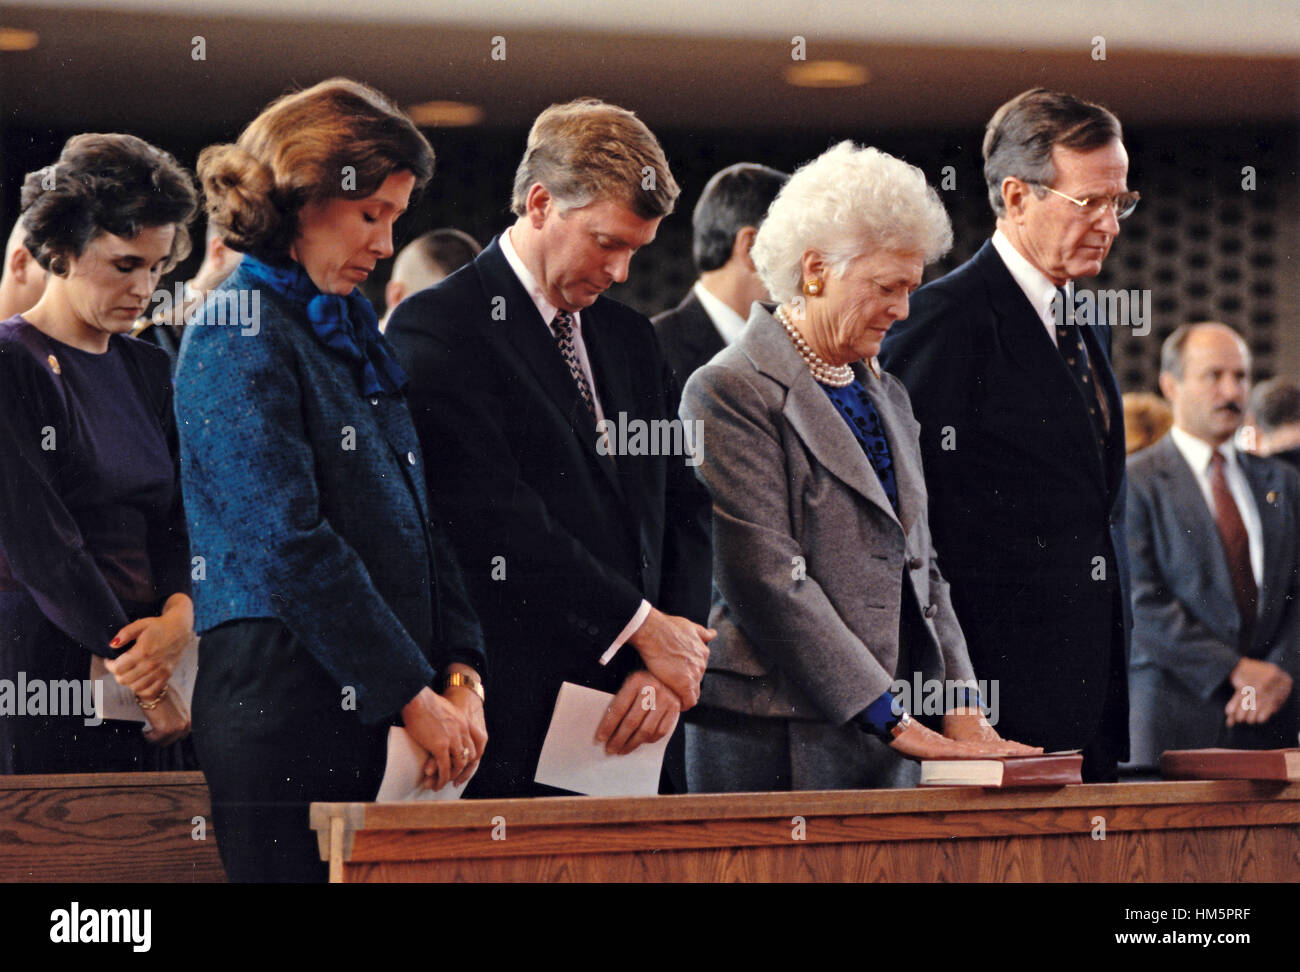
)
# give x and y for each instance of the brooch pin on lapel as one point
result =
(54, 365)
(1271, 496)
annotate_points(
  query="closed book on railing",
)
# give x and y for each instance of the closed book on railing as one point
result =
(1231, 764)
(1050, 769)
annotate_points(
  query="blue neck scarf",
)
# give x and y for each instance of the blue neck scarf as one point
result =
(344, 324)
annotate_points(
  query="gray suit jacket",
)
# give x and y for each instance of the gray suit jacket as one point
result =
(1185, 621)
(809, 556)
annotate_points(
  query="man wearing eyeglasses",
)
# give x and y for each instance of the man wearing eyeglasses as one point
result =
(1022, 431)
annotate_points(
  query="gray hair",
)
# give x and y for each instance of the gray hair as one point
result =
(848, 201)
(1019, 138)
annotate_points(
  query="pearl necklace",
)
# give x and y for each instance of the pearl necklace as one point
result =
(836, 376)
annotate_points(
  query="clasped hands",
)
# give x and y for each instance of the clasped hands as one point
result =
(147, 665)
(966, 735)
(450, 727)
(648, 704)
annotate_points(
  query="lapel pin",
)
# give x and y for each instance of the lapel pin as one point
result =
(1271, 496)
(54, 365)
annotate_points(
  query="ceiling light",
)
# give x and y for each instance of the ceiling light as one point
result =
(445, 114)
(826, 74)
(17, 39)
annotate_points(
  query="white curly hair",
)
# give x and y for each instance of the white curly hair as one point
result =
(849, 201)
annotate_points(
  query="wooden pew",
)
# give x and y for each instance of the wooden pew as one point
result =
(97, 827)
(1161, 831)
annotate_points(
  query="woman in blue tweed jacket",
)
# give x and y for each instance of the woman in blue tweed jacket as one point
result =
(328, 600)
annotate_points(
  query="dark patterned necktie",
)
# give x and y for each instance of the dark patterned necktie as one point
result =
(1236, 546)
(1069, 341)
(563, 325)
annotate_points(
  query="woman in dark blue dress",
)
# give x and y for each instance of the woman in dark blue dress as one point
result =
(94, 556)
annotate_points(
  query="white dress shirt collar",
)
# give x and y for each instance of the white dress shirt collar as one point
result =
(1036, 287)
(1197, 451)
(726, 320)
(544, 306)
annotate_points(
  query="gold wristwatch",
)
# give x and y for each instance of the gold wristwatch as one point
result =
(471, 682)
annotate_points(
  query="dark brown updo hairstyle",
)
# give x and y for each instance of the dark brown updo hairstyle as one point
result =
(337, 139)
(116, 184)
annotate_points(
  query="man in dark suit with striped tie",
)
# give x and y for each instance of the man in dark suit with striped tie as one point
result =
(1022, 431)
(580, 542)
(1214, 541)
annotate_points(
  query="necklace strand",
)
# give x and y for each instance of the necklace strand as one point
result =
(836, 376)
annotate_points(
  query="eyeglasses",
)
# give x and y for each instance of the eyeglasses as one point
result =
(1122, 205)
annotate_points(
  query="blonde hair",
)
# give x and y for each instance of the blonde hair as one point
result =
(587, 150)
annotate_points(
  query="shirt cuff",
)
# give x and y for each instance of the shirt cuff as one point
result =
(880, 716)
(967, 698)
(633, 626)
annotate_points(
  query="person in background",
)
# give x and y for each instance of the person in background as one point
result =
(94, 555)
(827, 593)
(1147, 418)
(424, 261)
(331, 607)
(1022, 430)
(1275, 414)
(1216, 626)
(166, 327)
(724, 224)
(22, 279)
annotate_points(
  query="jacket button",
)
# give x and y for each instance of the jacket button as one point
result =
(931, 610)
(410, 457)
(915, 563)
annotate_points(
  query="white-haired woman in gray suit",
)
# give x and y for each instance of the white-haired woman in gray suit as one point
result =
(835, 630)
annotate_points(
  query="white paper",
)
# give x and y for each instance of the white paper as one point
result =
(404, 772)
(573, 760)
(119, 701)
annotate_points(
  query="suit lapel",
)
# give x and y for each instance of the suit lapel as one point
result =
(908, 478)
(701, 338)
(532, 340)
(1116, 454)
(1196, 528)
(1266, 484)
(1026, 340)
(811, 414)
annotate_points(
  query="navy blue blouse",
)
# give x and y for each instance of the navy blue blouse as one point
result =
(91, 521)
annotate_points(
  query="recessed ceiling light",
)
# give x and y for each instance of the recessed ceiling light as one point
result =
(445, 114)
(826, 74)
(17, 39)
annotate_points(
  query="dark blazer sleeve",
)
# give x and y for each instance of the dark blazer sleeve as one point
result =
(260, 475)
(686, 582)
(1163, 630)
(933, 353)
(39, 538)
(459, 637)
(169, 538)
(477, 484)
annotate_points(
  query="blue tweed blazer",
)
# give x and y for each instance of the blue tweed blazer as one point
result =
(306, 501)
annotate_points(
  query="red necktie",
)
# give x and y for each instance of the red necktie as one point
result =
(1236, 545)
